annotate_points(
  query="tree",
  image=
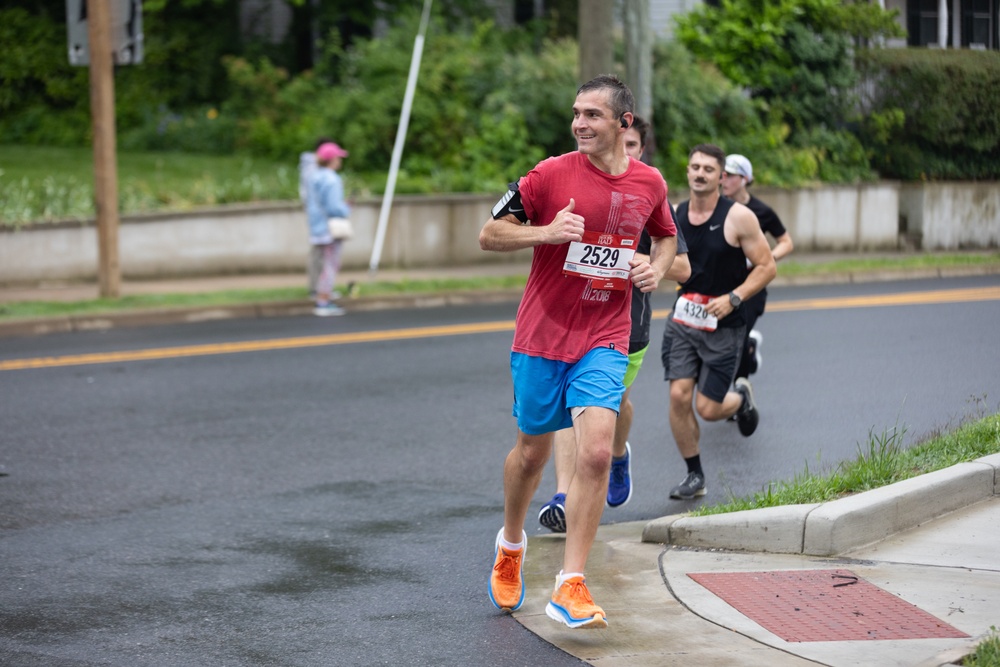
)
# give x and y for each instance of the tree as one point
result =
(596, 48)
(639, 58)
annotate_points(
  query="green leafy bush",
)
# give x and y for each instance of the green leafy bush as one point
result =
(694, 103)
(933, 113)
(468, 129)
(794, 56)
(42, 98)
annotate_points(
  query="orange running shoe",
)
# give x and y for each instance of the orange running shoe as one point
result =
(571, 604)
(506, 582)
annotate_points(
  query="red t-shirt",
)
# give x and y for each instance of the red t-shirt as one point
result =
(563, 317)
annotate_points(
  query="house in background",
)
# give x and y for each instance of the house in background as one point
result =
(954, 24)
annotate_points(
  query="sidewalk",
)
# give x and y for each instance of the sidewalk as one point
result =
(919, 597)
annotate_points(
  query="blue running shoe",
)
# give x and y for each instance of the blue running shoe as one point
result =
(620, 484)
(553, 514)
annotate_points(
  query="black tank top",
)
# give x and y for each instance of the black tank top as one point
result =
(717, 268)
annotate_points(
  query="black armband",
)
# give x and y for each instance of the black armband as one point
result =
(511, 204)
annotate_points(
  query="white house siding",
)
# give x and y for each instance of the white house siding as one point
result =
(661, 15)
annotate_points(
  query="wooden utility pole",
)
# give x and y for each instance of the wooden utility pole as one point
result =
(595, 20)
(102, 110)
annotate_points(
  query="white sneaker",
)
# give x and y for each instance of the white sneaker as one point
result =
(328, 310)
(758, 339)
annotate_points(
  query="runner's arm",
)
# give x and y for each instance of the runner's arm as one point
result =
(507, 233)
(742, 224)
(783, 246)
(651, 272)
(680, 269)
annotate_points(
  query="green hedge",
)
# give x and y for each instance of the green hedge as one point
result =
(932, 113)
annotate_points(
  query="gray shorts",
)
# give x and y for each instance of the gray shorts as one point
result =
(710, 357)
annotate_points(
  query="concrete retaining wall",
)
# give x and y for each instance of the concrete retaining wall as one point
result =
(444, 230)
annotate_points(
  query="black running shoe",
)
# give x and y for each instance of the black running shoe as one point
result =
(553, 514)
(693, 486)
(747, 418)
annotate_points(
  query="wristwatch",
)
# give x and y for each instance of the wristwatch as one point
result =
(735, 299)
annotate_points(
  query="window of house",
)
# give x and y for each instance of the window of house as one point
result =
(922, 22)
(979, 27)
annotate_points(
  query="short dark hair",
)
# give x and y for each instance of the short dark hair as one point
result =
(710, 150)
(620, 98)
(641, 125)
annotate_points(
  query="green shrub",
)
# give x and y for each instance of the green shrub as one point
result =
(42, 98)
(468, 129)
(724, 116)
(794, 57)
(933, 113)
(794, 54)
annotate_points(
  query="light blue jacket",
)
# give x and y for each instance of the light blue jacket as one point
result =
(325, 200)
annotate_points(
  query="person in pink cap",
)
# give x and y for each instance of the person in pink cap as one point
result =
(325, 200)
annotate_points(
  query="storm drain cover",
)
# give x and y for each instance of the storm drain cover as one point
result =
(823, 606)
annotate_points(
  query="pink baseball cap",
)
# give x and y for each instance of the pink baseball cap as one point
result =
(329, 151)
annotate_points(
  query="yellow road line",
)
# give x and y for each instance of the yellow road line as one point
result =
(254, 346)
(905, 299)
(909, 298)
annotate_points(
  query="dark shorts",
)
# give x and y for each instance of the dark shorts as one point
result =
(710, 357)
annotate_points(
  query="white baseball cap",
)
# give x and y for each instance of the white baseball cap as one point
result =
(739, 165)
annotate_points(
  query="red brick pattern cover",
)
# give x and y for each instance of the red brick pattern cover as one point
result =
(822, 606)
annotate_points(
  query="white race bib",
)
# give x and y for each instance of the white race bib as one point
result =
(604, 258)
(690, 311)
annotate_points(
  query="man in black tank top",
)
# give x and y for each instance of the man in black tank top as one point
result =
(703, 340)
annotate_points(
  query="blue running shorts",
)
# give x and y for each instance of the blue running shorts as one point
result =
(546, 390)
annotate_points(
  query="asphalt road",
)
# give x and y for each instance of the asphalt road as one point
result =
(310, 491)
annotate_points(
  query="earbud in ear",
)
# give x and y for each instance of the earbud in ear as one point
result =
(624, 123)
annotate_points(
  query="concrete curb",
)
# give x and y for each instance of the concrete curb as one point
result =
(838, 526)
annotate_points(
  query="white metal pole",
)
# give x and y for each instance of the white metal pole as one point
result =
(943, 23)
(397, 149)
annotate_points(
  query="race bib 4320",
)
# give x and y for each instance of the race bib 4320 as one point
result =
(690, 311)
(604, 258)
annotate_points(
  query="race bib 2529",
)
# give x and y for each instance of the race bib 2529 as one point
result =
(604, 258)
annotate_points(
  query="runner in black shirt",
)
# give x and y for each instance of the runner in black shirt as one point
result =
(736, 178)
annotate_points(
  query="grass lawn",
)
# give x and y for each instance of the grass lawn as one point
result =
(879, 462)
(39, 183)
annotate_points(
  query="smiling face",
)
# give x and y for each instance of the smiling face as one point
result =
(704, 173)
(595, 126)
